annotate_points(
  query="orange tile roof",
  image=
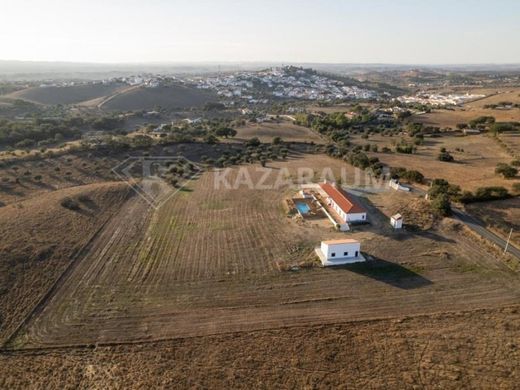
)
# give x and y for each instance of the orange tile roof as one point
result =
(342, 199)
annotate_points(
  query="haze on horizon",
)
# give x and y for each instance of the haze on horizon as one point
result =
(404, 32)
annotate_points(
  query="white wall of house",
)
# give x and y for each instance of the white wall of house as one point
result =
(350, 217)
(341, 251)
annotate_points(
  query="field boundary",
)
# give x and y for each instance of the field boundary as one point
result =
(58, 282)
(30, 350)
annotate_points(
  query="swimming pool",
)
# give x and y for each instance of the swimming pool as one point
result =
(302, 207)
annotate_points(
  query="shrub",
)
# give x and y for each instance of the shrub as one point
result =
(255, 142)
(277, 140)
(491, 193)
(70, 203)
(445, 156)
(506, 170)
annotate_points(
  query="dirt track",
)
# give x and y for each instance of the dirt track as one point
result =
(207, 265)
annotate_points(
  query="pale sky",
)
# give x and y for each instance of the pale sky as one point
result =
(348, 31)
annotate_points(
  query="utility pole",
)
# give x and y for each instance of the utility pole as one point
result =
(508, 239)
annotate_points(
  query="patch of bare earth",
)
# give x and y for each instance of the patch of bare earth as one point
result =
(467, 349)
(40, 238)
(206, 263)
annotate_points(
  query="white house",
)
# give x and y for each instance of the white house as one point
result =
(396, 221)
(337, 252)
(343, 204)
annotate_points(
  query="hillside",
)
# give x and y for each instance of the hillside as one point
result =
(65, 95)
(168, 97)
(40, 238)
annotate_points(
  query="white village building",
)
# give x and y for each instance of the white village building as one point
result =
(343, 204)
(396, 221)
(338, 252)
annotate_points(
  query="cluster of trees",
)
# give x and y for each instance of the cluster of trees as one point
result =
(502, 105)
(489, 122)
(409, 175)
(500, 127)
(255, 151)
(441, 193)
(484, 194)
(482, 121)
(405, 147)
(26, 134)
(46, 131)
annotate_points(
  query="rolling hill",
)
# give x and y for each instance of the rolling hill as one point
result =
(65, 95)
(168, 97)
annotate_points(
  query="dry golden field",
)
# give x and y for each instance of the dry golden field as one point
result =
(209, 262)
(200, 292)
(286, 130)
(501, 216)
(454, 350)
(450, 118)
(40, 238)
(473, 167)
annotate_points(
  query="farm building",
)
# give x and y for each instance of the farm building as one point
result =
(343, 204)
(337, 252)
(398, 186)
(396, 221)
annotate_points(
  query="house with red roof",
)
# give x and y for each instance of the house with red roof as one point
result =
(343, 204)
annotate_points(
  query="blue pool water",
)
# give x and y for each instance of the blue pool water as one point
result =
(303, 208)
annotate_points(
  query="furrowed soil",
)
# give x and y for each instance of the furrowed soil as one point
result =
(468, 349)
(40, 238)
(209, 261)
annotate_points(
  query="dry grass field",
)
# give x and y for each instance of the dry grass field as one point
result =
(208, 263)
(501, 216)
(65, 95)
(40, 238)
(286, 130)
(473, 167)
(467, 349)
(472, 110)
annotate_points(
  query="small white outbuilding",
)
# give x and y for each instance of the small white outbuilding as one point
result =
(396, 221)
(337, 252)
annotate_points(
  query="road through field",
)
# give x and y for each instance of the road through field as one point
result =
(207, 262)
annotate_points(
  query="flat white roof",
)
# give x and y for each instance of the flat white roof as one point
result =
(341, 241)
